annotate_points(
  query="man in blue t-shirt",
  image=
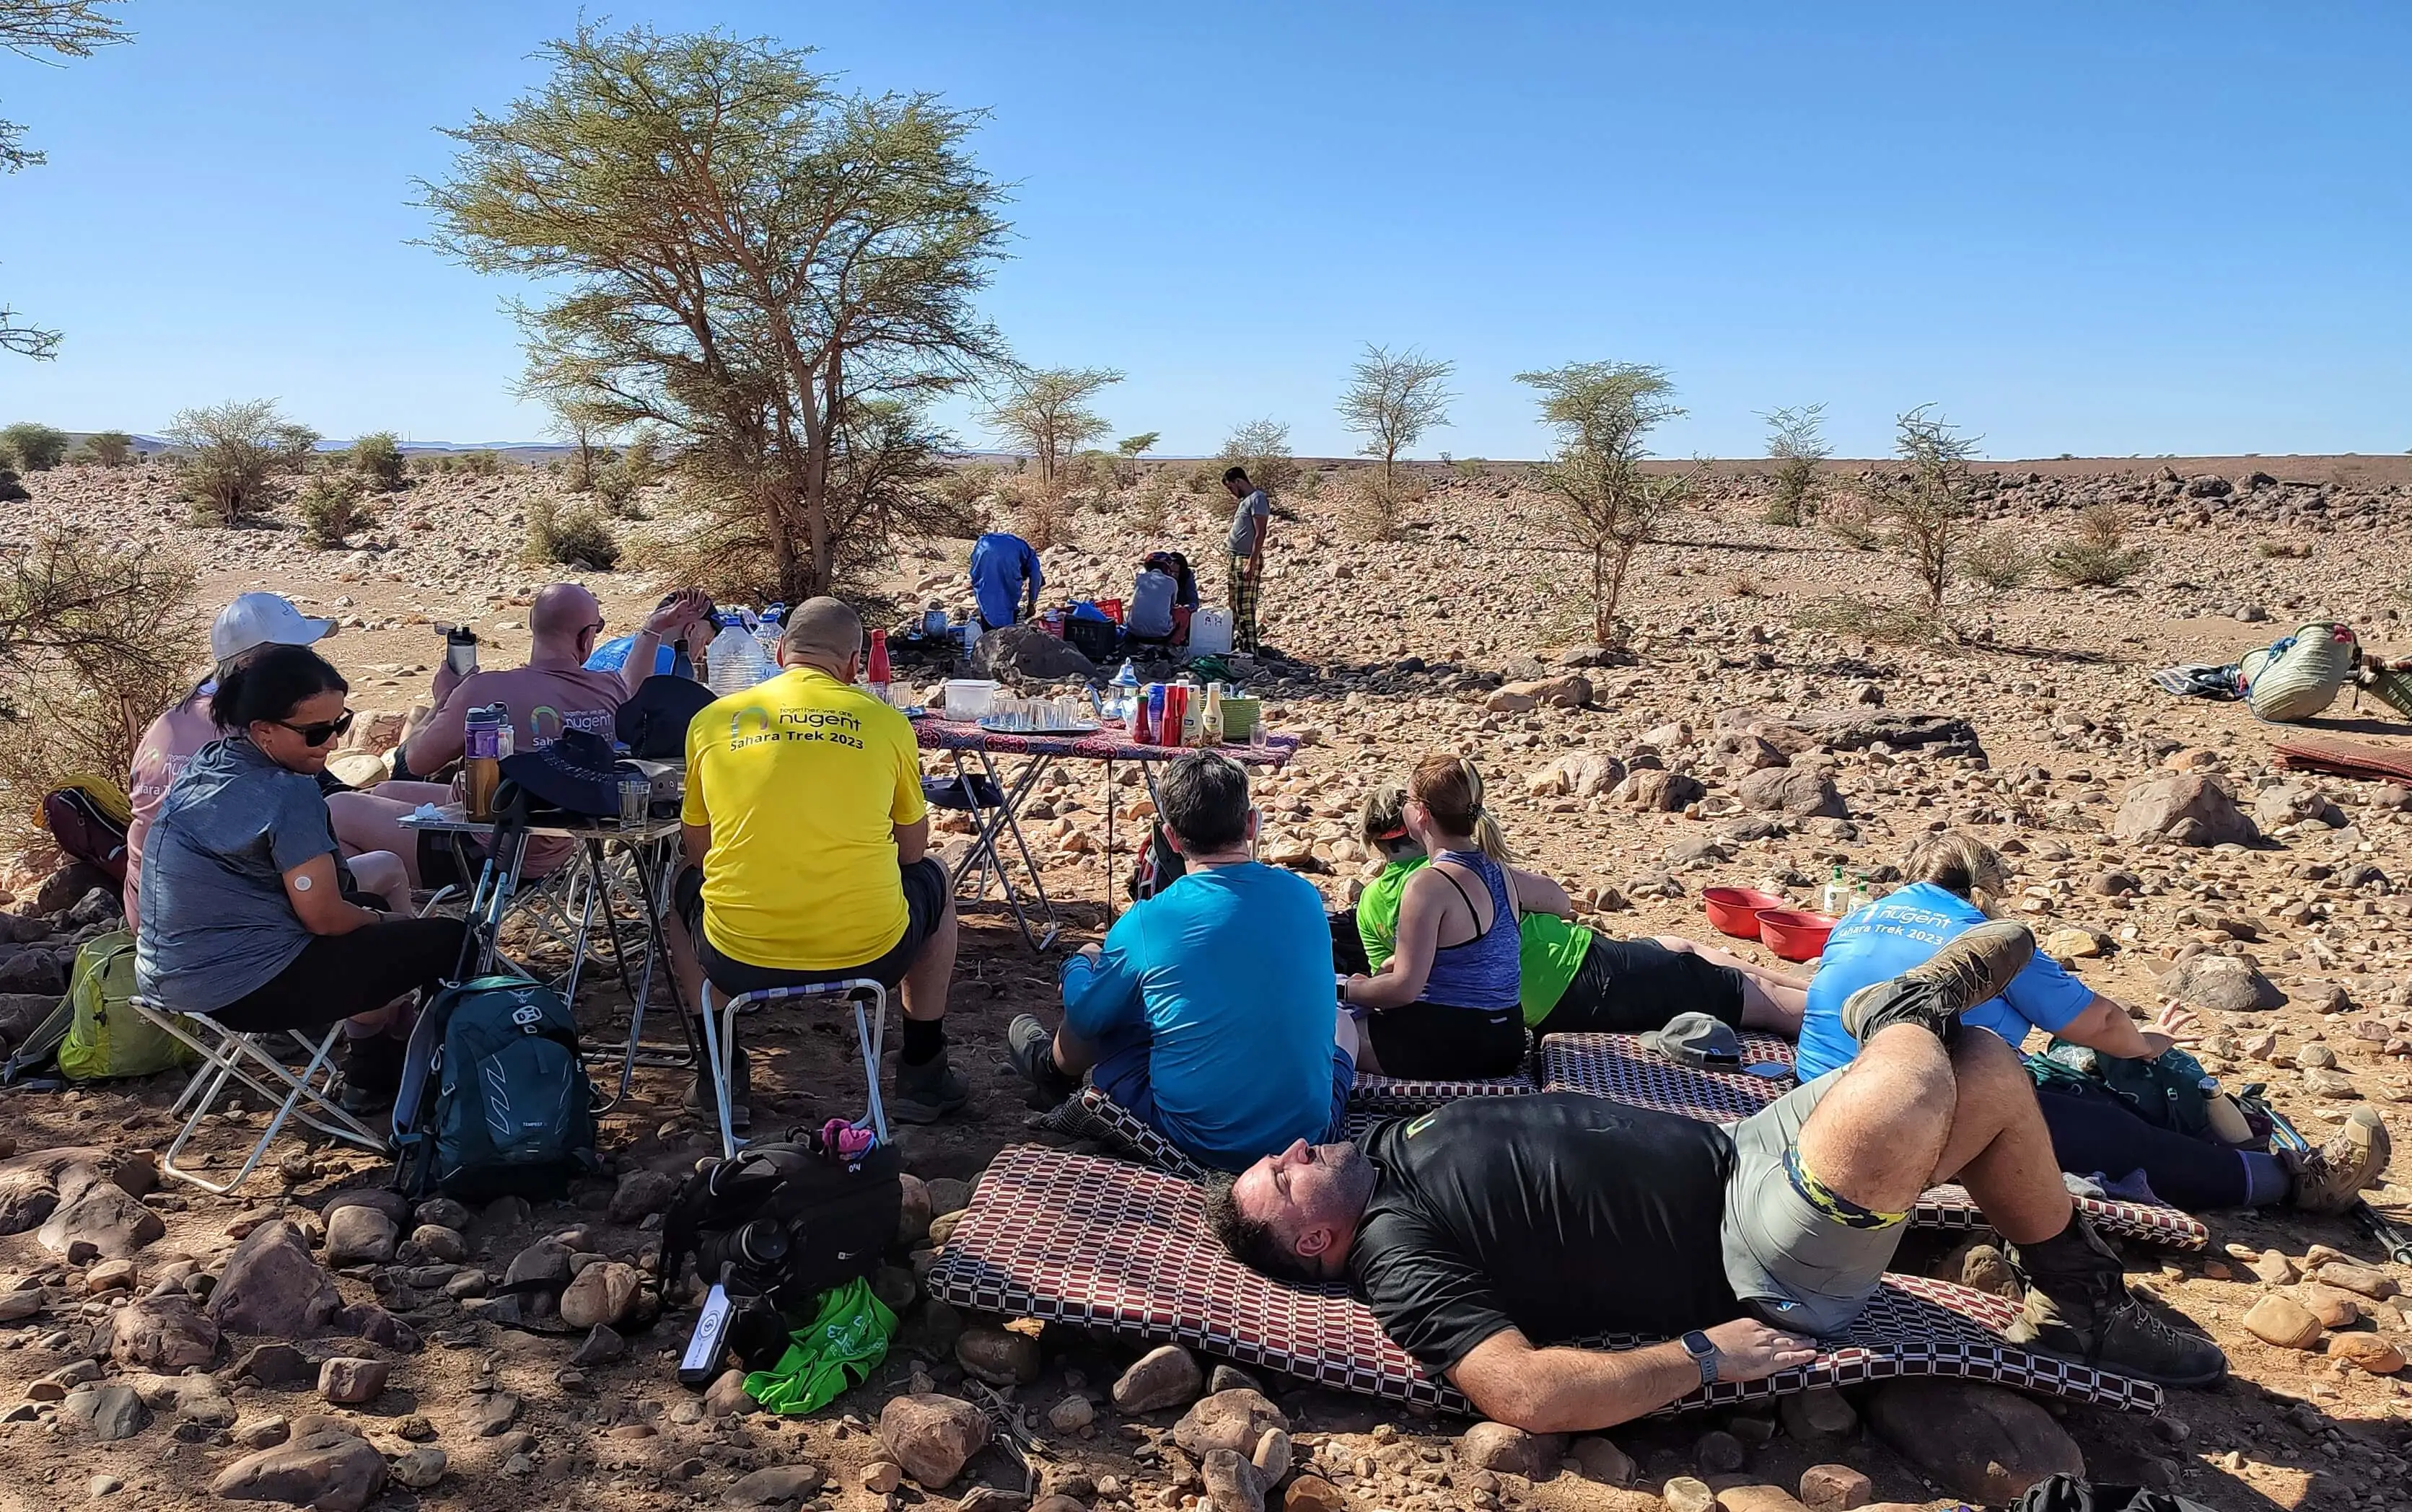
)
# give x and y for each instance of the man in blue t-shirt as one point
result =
(1211, 1012)
(1006, 578)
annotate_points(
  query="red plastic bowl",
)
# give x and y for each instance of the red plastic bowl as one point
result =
(1794, 933)
(1735, 910)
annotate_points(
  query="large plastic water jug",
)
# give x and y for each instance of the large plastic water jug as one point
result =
(1210, 632)
(736, 661)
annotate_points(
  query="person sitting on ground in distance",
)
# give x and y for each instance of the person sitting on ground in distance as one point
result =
(552, 692)
(1006, 579)
(1164, 586)
(1208, 1013)
(246, 917)
(1574, 981)
(250, 622)
(1446, 1005)
(1488, 1234)
(1953, 879)
(807, 844)
(676, 653)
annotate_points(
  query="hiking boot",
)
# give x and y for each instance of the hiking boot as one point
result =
(1975, 966)
(927, 1092)
(2329, 1179)
(740, 1091)
(1031, 1046)
(2078, 1307)
(372, 1074)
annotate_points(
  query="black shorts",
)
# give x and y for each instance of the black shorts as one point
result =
(927, 889)
(1631, 987)
(1434, 1042)
(340, 975)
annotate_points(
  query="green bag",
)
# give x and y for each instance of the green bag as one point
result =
(839, 1348)
(105, 1038)
(2169, 1093)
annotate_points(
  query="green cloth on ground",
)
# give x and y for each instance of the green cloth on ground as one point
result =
(1550, 949)
(848, 1337)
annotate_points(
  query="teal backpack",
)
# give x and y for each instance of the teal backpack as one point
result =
(495, 1100)
(2167, 1093)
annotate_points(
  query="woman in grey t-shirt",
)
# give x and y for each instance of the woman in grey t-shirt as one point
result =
(244, 917)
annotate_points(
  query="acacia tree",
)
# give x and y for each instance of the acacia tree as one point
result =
(232, 455)
(735, 252)
(1046, 412)
(30, 28)
(1392, 400)
(1929, 509)
(1607, 506)
(1796, 440)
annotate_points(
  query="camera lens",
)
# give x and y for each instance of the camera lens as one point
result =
(761, 1242)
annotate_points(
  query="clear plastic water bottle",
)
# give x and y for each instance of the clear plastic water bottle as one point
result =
(767, 628)
(736, 661)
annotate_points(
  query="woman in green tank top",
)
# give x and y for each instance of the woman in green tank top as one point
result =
(1575, 981)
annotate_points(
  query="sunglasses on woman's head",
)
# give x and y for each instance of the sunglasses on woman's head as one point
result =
(322, 731)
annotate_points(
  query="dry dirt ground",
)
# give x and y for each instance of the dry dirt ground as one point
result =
(1391, 651)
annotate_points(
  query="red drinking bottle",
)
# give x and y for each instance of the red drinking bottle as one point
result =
(876, 672)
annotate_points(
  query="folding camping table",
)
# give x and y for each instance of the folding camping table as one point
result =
(996, 801)
(634, 864)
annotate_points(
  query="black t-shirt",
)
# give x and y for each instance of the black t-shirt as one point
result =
(1560, 1215)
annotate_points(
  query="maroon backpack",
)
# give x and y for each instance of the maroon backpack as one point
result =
(80, 829)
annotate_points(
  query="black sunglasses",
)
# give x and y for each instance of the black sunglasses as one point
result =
(321, 732)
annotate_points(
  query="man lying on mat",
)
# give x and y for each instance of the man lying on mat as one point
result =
(1483, 1233)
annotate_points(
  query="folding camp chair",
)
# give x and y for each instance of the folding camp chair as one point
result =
(870, 1033)
(992, 806)
(228, 1055)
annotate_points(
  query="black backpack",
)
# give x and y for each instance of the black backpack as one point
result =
(781, 1223)
(1158, 867)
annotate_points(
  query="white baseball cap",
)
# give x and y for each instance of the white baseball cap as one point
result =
(262, 619)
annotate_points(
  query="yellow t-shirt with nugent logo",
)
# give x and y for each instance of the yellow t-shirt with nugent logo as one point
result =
(802, 778)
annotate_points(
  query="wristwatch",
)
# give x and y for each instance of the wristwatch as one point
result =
(1704, 1354)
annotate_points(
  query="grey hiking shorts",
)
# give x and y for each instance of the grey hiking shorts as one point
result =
(1796, 1266)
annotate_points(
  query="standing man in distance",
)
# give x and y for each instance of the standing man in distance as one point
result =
(1249, 524)
(1006, 579)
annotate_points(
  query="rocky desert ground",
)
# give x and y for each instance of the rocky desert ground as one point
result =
(314, 1340)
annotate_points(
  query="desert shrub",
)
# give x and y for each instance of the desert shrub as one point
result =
(235, 455)
(2097, 555)
(2283, 551)
(1042, 513)
(12, 488)
(1852, 521)
(641, 458)
(108, 448)
(574, 537)
(616, 486)
(1151, 506)
(481, 463)
(1370, 512)
(1796, 441)
(332, 508)
(2000, 558)
(964, 487)
(1746, 585)
(1199, 477)
(1844, 614)
(92, 637)
(1472, 469)
(377, 457)
(37, 448)
(1261, 446)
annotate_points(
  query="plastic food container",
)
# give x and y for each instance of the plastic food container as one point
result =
(1794, 933)
(970, 697)
(1735, 910)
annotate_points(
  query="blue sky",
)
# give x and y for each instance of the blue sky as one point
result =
(2074, 228)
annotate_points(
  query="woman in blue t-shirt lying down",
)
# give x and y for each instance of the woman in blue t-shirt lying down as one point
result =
(1953, 880)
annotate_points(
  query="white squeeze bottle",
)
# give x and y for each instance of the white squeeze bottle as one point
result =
(1836, 897)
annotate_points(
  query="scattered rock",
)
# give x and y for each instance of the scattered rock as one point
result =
(2373, 1353)
(1834, 1488)
(641, 1193)
(2335, 1309)
(1598, 1459)
(2223, 984)
(913, 1218)
(96, 1216)
(1165, 1376)
(602, 1345)
(1805, 792)
(1232, 1421)
(2283, 1322)
(1816, 1414)
(328, 1469)
(492, 1413)
(932, 1436)
(108, 1413)
(1718, 1452)
(359, 1234)
(779, 1486)
(547, 1261)
(1754, 1497)
(419, 1468)
(1232, 1484)
(1071, 1415)
(999, 1356)
(271, 1285)
(2367, 1281)
(164, 1332)
(1978, 1441)
(274, 1364)
(728, 1397)
(601, 1293)
(1684, 1494)
(351, 1381)
(1496, 1447)
(438, 1243)
(1311, 1493)
(2193, 808)
(1579, 774)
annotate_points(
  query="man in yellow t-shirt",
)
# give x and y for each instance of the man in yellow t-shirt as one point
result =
(806, 840)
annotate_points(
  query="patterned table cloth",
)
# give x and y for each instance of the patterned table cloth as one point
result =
(1108, 744)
